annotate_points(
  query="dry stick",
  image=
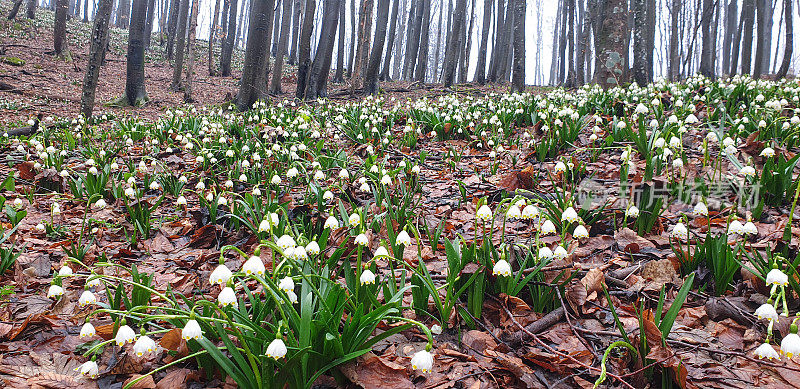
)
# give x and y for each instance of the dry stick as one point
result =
(559, 353)
(572, 327)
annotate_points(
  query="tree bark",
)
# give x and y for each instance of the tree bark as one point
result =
(610, 39)
(304, 48)
(732, 10)
(748, 19)
(298, 7)
(14, 9)
(318, 75)
(124, 13)
(424, 43)
(276, 24)
(518, 75)
(148, 27)
(371, 77)
(339, 76)
(639, 10)
(707, 53)
(180, 46)
(212, 70)
(256, 55)
(353, 38)
(283, 45)
(362, 53)
(135, 93)
(391, 40)
(187, 90)
(60, 27)
(451, 51)
(412, 40)
(96, 53)
(172, 27)
(789, 44)
(229, 41)
(31, 10)
(762, 47)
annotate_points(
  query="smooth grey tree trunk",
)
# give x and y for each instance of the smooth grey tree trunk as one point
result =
(371, 86)
(362, 53)
(283, 46)
(707, 52)
(135, 93)
(674, 41)
(276, 24)
(212, 70)
(748, 19)
(97, 50)
(424, 43)
(304, 48)
(610, 43)
(639, 11)
(60, 27)
(298, 8)
(732, 11)
(451, 51)
(412, 41)
(180, 45)
(518, 74)
(318, 75)
(148, 27)
(253, 82)
(172, 27)
(339, 76)
(392, 35)
(187, 90)
(353, 38)
(789, 44)
(229, 41)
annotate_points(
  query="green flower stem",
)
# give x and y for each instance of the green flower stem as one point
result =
(175, 362)
(603, 371)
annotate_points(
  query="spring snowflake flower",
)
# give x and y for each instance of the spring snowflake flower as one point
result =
(125, 334)
(87, 331)
(254, 265)
(292, 296)
(484, 213)
(502, 267)
(422, 360)
(680, 231)
(736, 227)
(144, 345)
(286, 242)
(87, 297)
(560, 167)
(403, 239)
(361, 240)
(767, 351)
(331, 223)
(381, 252)
(344, 174)
(181, 201)
(100, 204)
(700, 209)
(312, 248)
(560, 253)
(220, 275)
(580, 232)
(286, 284)
(88, 368)
(367, 277)
(354, 220)
(766, 311)
(768, 152)
(548, 227)
(777, 277)
(513, 212)
(276, 349)
(227, 297)
(790, 345)
(749, 228)
(748, 171)
(530, 212)
(54, 291)
(570, 216)
(545, 253)
(65, 271)
(632, 212)
(191, 330)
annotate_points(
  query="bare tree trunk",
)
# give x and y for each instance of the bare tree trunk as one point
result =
(180, 46)
(123, 13)
(518, 75)
(298, 7)
(789, 44)
(610, 39)
(283, 46)
(212, 71)
(229, 40)
(304, 48)
(730, 33)
(412, 41)
(762, 47)
(650, 37)
(674, 41)
(318, 76)
(96, 53)
(580, 51)
(14, 9)
(504, 61)
(172, 27)
(276, 24)
(707, 54)
(480, 68)
(424, 43)
(187, 90)
(451, 51)
(398, 47)
(748, 19)
(135, 93)
(571, 45)
(60, 27)
(31, 10)
(371, 76)
(468, 44)
(341, 31)
(639, 11)
(391, 37)
(148, 27)
(362, 53)
(253, 82)
(353, 38)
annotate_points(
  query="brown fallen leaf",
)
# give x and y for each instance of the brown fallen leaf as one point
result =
(370, 371)
(145, 383)
(177, 378)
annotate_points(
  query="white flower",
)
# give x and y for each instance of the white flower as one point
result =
(790, 345)
(502, 267)
(130, 192)
(87, 331)
(87, 297)
(354, 220)
(144, 345)
(484, 213)
(768, 152)
(220, 275)
(381, 252)
(560, 167)
(736, 227)
(513, 212)
(254, 265)
(125, 334)
(361, 240)
(54, 291)
(331, 223)
(367, 277)
(312, 248)
(750, 228)
(286, 242)
(570, 216)
(276, 349)
(766, 311)
(680, 231)
(292, 296)
(65, 271)
(286, 284)
(632, 212)
(767, 351)
(436, 329)
(560, 252)
(545, 253)
(700, 209)
(422, 360)
(777, 277)
(191, 330)
(100, 204)
(88, 368)
(403, 239)
(181, 201)
(530, 212)
(548, 227)
(580, 232)
(748, 171)
(227, 297)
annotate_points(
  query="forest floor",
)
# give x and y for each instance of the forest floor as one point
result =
(551, 334)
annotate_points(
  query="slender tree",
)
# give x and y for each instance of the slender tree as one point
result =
(148, 27)
(172, 26)
(480, 68)
(60, 27)
(276, 26)
(253, 83)
(96, 53)
(788, 46)
(609, 42)
(123, 13)
(298, 8)
(362, 52)
(518, 74)
(391, 40)
(318, 74)
(229, 41)
(339, 76)
(14, 9)
(135, 94)
(371, 76)
(283, 46)
(748, 19)
(707, 53)
(639, 11)
(674, 41)
(730, 32)
(212, 70)
(451, 51)
(424, 43)
(764, 14)
(180, 46)
(31, 10)
(304, 48)
(190, 51)
(353, 39)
